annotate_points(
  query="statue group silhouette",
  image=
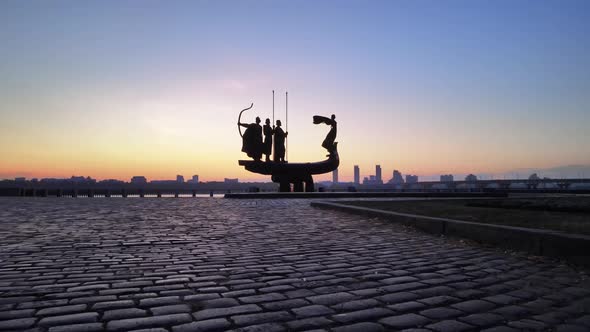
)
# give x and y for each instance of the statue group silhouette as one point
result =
(259, 141)
(254, 146)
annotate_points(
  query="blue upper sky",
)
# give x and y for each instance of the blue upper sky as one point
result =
(421, 86)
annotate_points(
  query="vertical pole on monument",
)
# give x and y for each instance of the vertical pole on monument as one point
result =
(286, 125)
(273, 123)
(273, 107)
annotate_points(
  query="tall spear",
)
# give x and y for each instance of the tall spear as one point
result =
(273, 107)
(287, 125)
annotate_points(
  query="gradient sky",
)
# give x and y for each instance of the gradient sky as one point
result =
(113, 89)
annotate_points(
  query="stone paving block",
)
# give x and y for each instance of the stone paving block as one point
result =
(440, 313)
(88, 327)
(360, 327)
(449, 326)
(502, 299)
(298, 293)
(404, 321)
(16, 299)
(9, 306)
(570, 328)
(17, 324)
(113, 305)
(171, 309)
(308, 323)
(511, 312)
(62, 310)
(407, 306)
(438, 300)
(482, 319)
(86, 317)
(148, 322)
(200, 297)
(267, 327)
(159, 301)
(528, 325)
(285, 304)
(500, 329)
(92, 299)
(399, 280)
(219, 312)
(584, 320)
(403, 287)
(330, 299)
(132, 284)
(357, 305)
(123, 313)
(14, 314)
(217, 324)
(219, 303)
(262, 317)
(362, 315)
(397, 297)
(311, 311)
(262, 298)
(473, 306)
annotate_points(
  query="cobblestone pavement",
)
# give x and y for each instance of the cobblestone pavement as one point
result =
(261, 265)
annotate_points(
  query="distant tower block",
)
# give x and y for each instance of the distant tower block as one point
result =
(335, 176)
(357, 175)
(378, 173)
(180, 179)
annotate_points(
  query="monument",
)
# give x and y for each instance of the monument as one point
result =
(300, 175)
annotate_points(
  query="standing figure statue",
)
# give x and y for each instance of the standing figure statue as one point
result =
(252, 139)
(267, 147)
(279, 138)
(328, 142)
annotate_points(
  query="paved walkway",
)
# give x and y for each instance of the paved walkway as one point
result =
(261, 265)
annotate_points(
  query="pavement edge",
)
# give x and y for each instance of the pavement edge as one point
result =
(571, 247)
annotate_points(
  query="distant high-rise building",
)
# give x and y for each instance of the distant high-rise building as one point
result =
(139, 180)
(226, 180)
(397, 177)
(411, 178)
(471, 178)
(335, 176)
(357, 175)
(374, 180)
(20, 179)
(446, 178)
(180, 179)
(195, 179)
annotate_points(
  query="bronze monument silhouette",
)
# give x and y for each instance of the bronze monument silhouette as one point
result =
(281, 171)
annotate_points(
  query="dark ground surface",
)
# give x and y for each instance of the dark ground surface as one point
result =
(542, 213)
(562, 203)
(262, 265)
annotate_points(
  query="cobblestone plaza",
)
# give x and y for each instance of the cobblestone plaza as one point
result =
(94, 264)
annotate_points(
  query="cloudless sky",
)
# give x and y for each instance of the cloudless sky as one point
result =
(113, 89)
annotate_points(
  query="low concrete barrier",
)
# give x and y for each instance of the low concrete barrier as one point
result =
(572, 247)
(324, 195)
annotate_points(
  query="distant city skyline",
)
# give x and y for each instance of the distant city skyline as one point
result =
(455, 87)
(571, 171)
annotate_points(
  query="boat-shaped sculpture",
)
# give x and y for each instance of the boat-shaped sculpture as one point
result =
(300, 175)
